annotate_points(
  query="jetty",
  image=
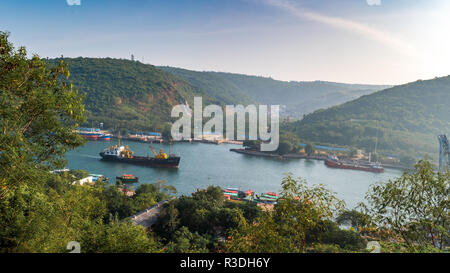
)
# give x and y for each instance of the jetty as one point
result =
(313, 157)
(277, 156)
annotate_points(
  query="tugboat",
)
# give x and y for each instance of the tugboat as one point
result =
(126, 178)
(334, 162)
(124, 154)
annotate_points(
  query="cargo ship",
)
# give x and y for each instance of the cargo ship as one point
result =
(334, 162)
(125, 155)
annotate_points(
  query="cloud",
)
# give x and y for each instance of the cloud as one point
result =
(374, 2)
(73, 2)
(369, 32)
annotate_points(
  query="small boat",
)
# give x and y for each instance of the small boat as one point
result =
(104, 137)
(127, 178)
(271, 193)
(249, 192)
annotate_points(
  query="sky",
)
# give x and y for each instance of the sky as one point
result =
(351, 41)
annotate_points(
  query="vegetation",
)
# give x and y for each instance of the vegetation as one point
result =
(297, 98)
(130, 95)
(402, 121)
(310, 149)
(196, 223)
(289, 143)
(414, 206)
(41, 211)
(301, 219)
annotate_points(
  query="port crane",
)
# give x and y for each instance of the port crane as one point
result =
(444, 154)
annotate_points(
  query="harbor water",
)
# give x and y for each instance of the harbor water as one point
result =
(208, 164)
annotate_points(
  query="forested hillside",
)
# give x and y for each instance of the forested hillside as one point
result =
(132, 95)
(128, 94)
(406, 118)
(298, 98)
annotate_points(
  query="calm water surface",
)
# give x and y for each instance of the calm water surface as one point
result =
(207, 164)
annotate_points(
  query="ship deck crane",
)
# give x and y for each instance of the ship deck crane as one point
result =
(153, 150)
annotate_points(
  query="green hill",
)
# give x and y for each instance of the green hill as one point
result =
(128, 94)
(131, 95)
(297, 98)
(406, 119)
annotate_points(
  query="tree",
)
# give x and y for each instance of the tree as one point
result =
(299, 210)
(187, 242)
(168, 221)
(328, 232)
(252, 144)
(40, 110)
(415, 206)
(288, 142)
(284, 148)
(355, 218)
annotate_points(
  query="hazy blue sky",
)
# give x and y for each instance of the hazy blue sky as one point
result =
(387, 42)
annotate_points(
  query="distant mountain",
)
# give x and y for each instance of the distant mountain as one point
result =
(129, 94)
(406, 119)
(297, 98)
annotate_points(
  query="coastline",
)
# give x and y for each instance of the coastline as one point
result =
(299, 156)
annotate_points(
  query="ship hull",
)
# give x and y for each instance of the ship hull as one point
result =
(171, 162)
(340, 165)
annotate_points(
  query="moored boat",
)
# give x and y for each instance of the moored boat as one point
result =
(127, 178)
(334, 162)
(105, 137)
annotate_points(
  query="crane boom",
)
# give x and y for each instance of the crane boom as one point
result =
(153, 150)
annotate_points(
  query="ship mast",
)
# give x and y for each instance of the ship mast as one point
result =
(118, 137)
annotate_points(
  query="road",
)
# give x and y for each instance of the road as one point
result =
(148, 217)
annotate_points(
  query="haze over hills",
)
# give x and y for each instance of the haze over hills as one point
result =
(406, 118)
(297, 98)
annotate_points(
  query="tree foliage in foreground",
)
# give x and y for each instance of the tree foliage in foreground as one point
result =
(415, 206)
(40, 211)
(300, 210)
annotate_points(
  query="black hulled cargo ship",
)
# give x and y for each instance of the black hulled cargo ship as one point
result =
(124, 154)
